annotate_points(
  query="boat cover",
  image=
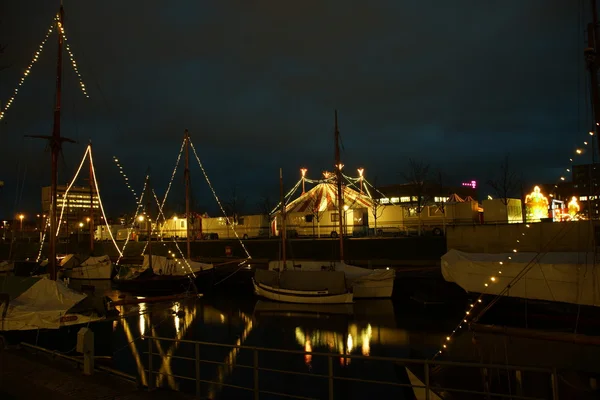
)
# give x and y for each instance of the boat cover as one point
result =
(332, 281)
(96, 261)
(569, 277)
(35, 303)
(178, 267)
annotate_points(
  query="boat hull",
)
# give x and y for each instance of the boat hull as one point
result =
(374, 289)
(300, 296)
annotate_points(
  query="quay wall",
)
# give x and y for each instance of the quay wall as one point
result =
(404, 250)
(533, 237)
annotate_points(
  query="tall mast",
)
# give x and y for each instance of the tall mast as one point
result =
(338, 174)
(55, 141)
(593, 63)
(91, 224)
(283, 217)
(186, 174)
(148, 221)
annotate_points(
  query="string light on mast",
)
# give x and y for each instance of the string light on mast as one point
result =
(125, 178)
(27, 71)
(61, 29)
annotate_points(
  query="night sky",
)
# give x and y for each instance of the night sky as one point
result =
(456, 84)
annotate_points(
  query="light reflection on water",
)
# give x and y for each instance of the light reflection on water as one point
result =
(260, 324)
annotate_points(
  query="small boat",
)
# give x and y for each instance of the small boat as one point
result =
(308, 287)
(364, 282)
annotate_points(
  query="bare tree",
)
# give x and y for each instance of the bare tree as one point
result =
(265, 207)
(235, 205)
(507, 184)
(377, 209)
(418, 176)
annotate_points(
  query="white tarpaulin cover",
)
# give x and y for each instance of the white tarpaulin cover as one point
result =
(568, 277)
(96, 261)
(40, 306)
(178, 267)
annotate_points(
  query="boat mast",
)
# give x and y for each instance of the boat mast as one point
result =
(91, 224)
(593, 64)
(283, 225)
(149, 222)
(338, 174)
(186, 175)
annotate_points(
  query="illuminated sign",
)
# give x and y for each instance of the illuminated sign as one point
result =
(472, 184)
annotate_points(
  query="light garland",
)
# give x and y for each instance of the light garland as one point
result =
(125, 178)
(218, 201)
(100, 201)
(135, 217)
(64, 199)
(61, 29)
(469, 315)
(35, 58)
(287, 196)
(46, 229)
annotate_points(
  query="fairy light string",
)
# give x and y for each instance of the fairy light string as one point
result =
(218, 200)
(125, 178)
(61, 29)
(27, 71)
(469, 315)
(36, 56)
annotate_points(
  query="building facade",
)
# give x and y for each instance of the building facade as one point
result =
(76, 207)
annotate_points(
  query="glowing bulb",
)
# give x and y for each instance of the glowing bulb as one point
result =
(485, 284)
(493, 279)
(444, 346)
(514, 250)
(591, 133)
(479, 300)
(562, 178)
(447, 337)
(578, 151)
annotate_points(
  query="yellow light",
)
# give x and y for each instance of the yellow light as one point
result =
(591, 133)
(360, 172)
(514, 250)
(493, 279)
(485, 284)
(21, 216)
(88, 219)
(444, 346)
(537, 204)
(501, 262)
(447, 337)
(303, 171)
(578, 151)
(562, 178)
(175, 218)
(479, 300)
(141, 218)
(81, 224)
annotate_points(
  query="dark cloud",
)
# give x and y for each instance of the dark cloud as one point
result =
(457, 84)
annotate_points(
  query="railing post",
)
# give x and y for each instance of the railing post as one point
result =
(426, 379)
(197, 370)
(256, 390)
(554, 379)
(150, 356)
(330, 373)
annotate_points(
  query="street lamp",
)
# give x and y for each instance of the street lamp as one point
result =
(21, 217)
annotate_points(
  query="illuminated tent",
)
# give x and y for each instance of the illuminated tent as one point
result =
(454, 198)
(469, 198)
(323, 197)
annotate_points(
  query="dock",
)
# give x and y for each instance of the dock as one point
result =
(27, 374)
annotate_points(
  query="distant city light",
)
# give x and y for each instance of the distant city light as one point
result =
(472, 184)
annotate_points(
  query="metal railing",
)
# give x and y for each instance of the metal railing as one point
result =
(256, 368)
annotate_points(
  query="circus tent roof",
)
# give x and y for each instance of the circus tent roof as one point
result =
(454, 198)
(323, 197)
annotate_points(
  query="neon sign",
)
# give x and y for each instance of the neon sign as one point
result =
(472, 184)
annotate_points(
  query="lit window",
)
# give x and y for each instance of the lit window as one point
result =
(583, 198)
(395, 200)
(385, 200)
(405, 199)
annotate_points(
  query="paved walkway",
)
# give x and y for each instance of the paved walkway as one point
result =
(24, 375)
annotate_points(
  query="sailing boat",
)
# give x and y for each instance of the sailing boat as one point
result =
(365, 282)
(32, 303)
(306, 287)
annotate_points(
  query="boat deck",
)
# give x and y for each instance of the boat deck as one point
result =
(25, 375)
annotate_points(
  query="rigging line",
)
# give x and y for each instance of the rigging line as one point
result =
(64, 199)
(217, 199)
(100, 200)
(136, 214)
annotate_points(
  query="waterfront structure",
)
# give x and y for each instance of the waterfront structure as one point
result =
(76, 207)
